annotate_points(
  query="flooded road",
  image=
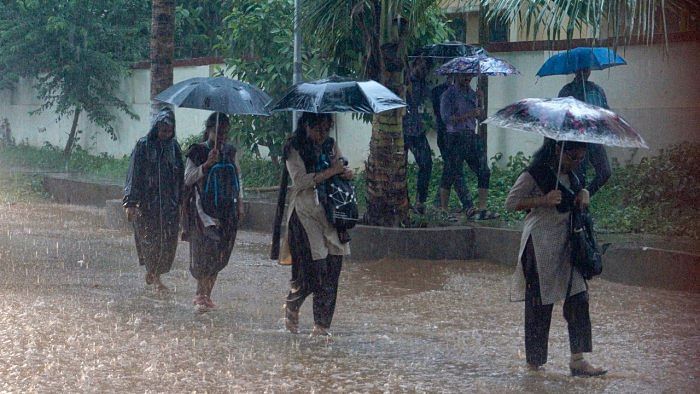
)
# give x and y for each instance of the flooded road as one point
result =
(75, 315)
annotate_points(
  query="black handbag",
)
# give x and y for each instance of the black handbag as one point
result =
(585, 253)
(337, 195)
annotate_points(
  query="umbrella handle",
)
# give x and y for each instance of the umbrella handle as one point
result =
(216, 135)
(561, 156)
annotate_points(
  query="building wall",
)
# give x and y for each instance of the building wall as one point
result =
(656, 92)
(16, 105)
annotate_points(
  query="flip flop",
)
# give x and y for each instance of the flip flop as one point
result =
(485, 214)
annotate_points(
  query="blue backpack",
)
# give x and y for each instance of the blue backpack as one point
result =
(221, 190)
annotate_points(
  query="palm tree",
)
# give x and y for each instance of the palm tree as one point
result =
(380, 31)
(622, 20)
(162, 47)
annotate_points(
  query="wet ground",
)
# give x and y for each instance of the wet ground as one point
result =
(75, 315)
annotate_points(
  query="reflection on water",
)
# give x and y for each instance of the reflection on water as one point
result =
(75, 316)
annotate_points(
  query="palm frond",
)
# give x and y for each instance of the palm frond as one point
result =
(623, 20)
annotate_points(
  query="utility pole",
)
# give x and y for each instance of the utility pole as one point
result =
(296, 77)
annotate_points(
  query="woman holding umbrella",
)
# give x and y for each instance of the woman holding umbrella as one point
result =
(211, 231)
(312, 243)
(545, 274)
(152, 196)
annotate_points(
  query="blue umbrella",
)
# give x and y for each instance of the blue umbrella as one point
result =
(569, 62)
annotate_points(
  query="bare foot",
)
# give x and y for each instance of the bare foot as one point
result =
(160, 287)
(149, 278)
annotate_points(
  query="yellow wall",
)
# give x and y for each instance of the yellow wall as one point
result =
(658, 94)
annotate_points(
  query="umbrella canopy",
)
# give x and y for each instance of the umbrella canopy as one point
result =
(449, 50)
(477, 65)
(219, 94)
(338, 94)
(568, 119)
(569, 62)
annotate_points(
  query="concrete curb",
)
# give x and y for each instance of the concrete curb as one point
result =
(71, 191)
(443, 243)
(632, 265)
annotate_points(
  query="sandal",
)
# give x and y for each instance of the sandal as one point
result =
(470, 212)
(485, 214)
(584, 368)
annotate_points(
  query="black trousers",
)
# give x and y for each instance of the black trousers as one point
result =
(418, 145)
(312, 277)
(538, 317)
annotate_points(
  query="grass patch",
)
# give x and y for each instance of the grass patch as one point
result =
(21, 187)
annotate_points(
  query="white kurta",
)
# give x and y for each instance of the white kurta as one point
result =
(549, 230)
(323, 237)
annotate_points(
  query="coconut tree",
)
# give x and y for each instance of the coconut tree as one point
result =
(622, 20)
(369, 38)
(162, 47)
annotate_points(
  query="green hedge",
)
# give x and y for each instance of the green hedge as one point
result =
(658, 195)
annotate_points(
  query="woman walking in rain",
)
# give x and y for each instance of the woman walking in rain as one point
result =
(215, 206)
(152, 196)
(312, 243)
(544, 273)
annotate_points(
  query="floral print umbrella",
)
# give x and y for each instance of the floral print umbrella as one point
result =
(568, 119)
(477, 65)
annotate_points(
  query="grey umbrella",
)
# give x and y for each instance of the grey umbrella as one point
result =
(219, 94)
(338, 94)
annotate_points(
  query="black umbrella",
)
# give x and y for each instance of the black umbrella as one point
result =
(449, 50)
(219, 94)
(338, 94)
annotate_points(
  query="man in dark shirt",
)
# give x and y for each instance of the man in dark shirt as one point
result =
(584, 90)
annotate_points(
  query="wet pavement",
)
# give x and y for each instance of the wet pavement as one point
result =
(75, 315)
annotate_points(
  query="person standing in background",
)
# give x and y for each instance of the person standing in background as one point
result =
(584, 90)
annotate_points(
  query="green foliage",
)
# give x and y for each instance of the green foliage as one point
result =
(199, 25)
(352, 27)
(50, 158)
(621, 19)
(21, 187)
(257, 45)
(75, 52)
(658, 195)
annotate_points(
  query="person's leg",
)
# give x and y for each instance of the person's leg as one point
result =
(167, 255)
(538, 317)
(299, 287)
(443, 155)
(576, 313)
(453, 174)
(460, 182)
(477, 161)
(423, 155)
(327, 273)
(210, 281)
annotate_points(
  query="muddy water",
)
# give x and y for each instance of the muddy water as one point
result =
(76, 316)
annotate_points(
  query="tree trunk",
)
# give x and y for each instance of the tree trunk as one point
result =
(162, 48)
(71, 136)
(387, 193)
